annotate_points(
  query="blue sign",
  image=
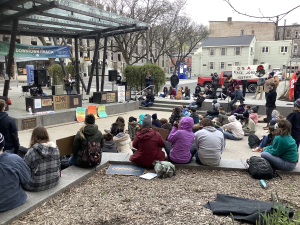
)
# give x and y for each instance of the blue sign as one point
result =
(125, 170)
(182, 70)
(30, 73)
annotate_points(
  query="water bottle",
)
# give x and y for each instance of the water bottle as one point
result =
(29, 110)
(263, 184)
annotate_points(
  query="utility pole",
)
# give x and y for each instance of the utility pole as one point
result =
(276, 29)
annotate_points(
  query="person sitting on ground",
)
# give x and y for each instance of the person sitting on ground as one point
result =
(275, 114)
(186, 94)
(123, 142)
(180, 141)
(14, 175)
(224, 93)
(165, 124)
(249, 126)
(239, 109)
(283, 153)
(43, 159)
(294, 119)
(195, 115)
(222, 118)
(185, 111)
(209, 144)
(208, 94)
(211, 114)
(156, 121)
(165, 92)
(9, 130)
(237, 96)
(175, 116)
(267, 140)
(87, 133)
(179, 94)
(172, 92)
(254, 114)
(115, 127)
(141, 117)
(197, 90)
(198, 102)
(248, 109)
(149, 100)
(109, 145)
(148, 144)
(233, 130)
(132, 127)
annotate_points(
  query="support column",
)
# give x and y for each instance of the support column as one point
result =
(10, 56)
(103, 63)
(97, 66)
(77, 66)
(93, 64)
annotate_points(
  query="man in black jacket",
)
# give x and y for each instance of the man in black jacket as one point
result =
(215, 81)
(270, 105)
(297, 86)
(149, 100)
(9, 130)
(174, 81)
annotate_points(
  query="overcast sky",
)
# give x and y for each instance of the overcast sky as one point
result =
(203, 11)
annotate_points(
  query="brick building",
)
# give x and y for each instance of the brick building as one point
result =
(263, 31)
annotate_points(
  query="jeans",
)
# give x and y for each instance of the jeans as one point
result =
(230, 136)
(69, 92)
(264, 142)
(146, 104)
(193, 104)
(277, 162)
(197, 159)
(186, 98)
(72, 161)
(231, 103)
(162, 95)
(168, 148)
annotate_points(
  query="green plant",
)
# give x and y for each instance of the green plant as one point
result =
(57, 74)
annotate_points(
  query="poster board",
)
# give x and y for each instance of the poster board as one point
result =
(128, 95)
(65, 145)
(121, 94)
(92, 110)
(249, 72)
(101, 111)
(80, 114)
(61, 102)
(46, 102)
(30, 73)
(110, 97)
(163, 132)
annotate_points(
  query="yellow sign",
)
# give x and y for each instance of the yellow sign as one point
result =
(111, 97)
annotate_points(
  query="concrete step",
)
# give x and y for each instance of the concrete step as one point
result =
(166, 109)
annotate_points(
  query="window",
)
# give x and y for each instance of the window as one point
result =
(269, 67)
(288, 34)
(112, 56)
(252, 31)
(236, 63)
(211, 65)
(5, 39)
(33, 42)
(295, 50)
(242, 32)
(251, 50)
(211, 51)
(284, 49)
(163, 62)
(265, 49)
(223, 51)
(297, 34)
(278, 35)
(87, 43)
(229, 65)
(119, 57)
(222, 65)
(225, 74)
(238, 50)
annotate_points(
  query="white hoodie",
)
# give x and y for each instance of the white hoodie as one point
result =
(235, 127)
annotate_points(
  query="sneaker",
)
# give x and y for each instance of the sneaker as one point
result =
(258, 149)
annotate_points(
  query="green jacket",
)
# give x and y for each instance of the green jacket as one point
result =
(132, 129)
(285, 148)
(250, 127)
(86, 133)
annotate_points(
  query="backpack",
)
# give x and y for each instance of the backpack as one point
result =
(260, 168)
(164, 169)
(253, 141)
(92, 154)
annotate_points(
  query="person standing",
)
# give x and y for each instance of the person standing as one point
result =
(270, 104)
(148, 81)
(68, 84)
(215, 81)
(226, 81)
(259, 88)
(174, 80)
(269, 81)
(297, 86)
(294, 119)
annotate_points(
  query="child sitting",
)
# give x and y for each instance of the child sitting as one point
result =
(109, 145)
(223, 94)
(123, 142)
(267, 140)
(222, 118)
(254, 114)
(249, 126)
(185, 111)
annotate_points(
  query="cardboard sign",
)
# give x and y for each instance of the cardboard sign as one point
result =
(163, 132)
(75, 101)
(111, 97)
(125, 170)
(121, 93)
(29, 123)
(102, 111)
(128, 96)
(65, 145)
(80, 114)
(249, 72)
(37, 103)
(103, 97)
(61, 102)
(92, 110)
(46, 102)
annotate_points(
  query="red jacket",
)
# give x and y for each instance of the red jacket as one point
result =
(148, 147)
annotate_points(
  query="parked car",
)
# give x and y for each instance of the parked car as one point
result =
(206, 81)
(279, 73)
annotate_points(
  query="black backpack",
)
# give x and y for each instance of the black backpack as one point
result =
(260, 168)
(253, 141)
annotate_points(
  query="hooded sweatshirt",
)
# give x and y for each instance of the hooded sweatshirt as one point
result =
(195, 117)
(294, 119)
(9, 130)
(254, 117)
(223, 119)
(235, 127)
(132, 129)
(186, 112)
(210, 144)
(123, 143)
(44, 163)
(250, 127)
(182, 141)
(109, 146)
(148, 144)
(141, 117)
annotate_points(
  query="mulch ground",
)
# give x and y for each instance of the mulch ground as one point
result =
(117, 199)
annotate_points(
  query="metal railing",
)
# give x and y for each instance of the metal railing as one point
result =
(137, 92)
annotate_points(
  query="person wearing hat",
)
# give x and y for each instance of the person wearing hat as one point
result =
(249, 126)
(87, 133)
(270, 80)
(148, 144)
(237, 96)
(155, 121)
(294, 119)
(14, 174)
(254, 114)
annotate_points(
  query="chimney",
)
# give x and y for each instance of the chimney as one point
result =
(229, 19)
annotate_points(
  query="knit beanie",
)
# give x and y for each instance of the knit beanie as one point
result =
(90, 119)
(147, 123)
(154, 116)
(2, 141)
(246, 114)
(297, 103)
(255, 109)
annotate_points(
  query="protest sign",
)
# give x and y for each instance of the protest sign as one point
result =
(102, 111)
(92, 110)
(250, 72)
(80, 114)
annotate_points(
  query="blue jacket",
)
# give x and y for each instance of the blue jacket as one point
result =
(157, 123)
(14, 174)
(238, 95)
(9, 130)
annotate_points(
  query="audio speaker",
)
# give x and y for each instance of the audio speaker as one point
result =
(40, 77)
(112, 75)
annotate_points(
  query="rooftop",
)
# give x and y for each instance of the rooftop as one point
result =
(228, 41)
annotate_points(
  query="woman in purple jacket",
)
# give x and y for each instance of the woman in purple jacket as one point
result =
(180, 141)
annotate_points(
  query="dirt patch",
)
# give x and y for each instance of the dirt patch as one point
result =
(115, 199)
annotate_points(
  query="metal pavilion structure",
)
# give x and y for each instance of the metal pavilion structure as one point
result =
(63, 19)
